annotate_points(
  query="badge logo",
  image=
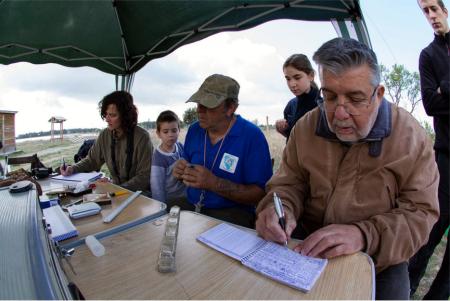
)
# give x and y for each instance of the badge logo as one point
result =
(229, 163)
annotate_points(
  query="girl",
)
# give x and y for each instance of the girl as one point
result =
(299, 76)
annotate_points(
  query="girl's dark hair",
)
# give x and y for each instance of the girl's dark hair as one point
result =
(301, 63)
(124, 104)
(166, 116)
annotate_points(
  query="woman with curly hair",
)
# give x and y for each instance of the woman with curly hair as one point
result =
(125, 147)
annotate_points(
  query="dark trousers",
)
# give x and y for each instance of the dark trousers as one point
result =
(234, 215)
(393, 283)
(418, 263)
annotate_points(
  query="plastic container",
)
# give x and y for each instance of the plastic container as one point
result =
(95, 246)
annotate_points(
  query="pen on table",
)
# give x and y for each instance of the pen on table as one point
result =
(280, 213)
(117, 193)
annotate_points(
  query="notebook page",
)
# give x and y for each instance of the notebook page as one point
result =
(80, 177)
(286, 266)
(231, 241)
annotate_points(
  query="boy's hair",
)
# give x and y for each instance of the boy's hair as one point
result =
(166, 116)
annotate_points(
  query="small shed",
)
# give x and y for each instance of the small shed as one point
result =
(7, 131)
(60, 120)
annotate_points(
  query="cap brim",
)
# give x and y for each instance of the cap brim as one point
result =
(206, 99)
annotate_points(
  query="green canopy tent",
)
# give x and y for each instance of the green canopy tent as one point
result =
(120, 37)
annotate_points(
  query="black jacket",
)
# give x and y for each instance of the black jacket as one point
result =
(299, 106)
(434, 68)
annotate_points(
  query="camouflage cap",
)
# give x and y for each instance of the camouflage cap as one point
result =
(214, 90)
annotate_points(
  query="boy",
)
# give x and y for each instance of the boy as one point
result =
(164, 186)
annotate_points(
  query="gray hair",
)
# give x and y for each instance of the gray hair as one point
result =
(339, 54)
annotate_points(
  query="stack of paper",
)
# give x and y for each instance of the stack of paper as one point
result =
(60, 224)
(80, 177)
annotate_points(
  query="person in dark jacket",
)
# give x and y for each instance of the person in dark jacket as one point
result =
(299, 76)
(434, 69)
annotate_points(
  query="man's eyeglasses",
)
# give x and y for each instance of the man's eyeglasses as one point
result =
(354, 105)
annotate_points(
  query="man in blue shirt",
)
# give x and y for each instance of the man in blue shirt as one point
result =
(227, 159)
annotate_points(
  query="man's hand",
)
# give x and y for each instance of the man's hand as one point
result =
(178, 169)
(197, 176)
(268, 227)
(331, 241)
(66, 170)
(281, 125)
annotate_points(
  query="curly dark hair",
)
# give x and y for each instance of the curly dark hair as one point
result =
(124, 104)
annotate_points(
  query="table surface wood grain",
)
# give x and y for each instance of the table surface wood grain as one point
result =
(128, 270)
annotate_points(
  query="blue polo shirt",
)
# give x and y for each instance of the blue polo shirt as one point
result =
(244, 159)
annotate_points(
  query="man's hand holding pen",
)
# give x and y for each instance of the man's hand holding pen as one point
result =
(268, 224)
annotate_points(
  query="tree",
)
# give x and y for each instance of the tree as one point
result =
(402, 86)
(190, 116)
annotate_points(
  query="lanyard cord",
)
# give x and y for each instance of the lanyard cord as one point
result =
(220, 146)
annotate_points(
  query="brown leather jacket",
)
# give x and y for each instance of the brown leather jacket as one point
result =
(387, 186)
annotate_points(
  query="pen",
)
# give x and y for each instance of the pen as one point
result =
(280, 213)
(117, 193)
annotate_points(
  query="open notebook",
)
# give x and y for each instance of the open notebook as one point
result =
(79, 177)
(270, 259)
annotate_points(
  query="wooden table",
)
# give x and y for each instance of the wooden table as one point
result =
(140, 210)
(128, 270)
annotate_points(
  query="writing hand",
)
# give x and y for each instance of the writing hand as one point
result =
(66, 170)
(331, 241)
(268, 227)
(178, 168)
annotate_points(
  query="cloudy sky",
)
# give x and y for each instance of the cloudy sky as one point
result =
(254, 57)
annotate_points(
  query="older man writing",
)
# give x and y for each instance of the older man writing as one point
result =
(358, 173)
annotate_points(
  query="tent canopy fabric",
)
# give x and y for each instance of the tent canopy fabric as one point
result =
(119, 37)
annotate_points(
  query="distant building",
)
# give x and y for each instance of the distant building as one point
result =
(60, 120)
(7, 131)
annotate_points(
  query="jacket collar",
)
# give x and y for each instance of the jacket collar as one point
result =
(443, 39)
(381, 129)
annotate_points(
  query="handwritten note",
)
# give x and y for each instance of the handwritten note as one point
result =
(270, 259)
(286, 266)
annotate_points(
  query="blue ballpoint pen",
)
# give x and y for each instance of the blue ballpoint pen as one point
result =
(280, 213)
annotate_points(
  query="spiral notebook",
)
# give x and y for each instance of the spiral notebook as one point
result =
(270, 259)
(60, 224)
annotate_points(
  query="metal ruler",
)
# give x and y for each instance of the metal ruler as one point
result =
(122, 206)
(166, 260)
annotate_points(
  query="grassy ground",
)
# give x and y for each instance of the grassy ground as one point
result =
(51, 154)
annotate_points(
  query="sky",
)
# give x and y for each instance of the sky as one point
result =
(254, 57)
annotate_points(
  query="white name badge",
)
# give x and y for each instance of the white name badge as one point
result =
(229, 163)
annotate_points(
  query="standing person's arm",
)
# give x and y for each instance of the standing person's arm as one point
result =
(435, 92)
